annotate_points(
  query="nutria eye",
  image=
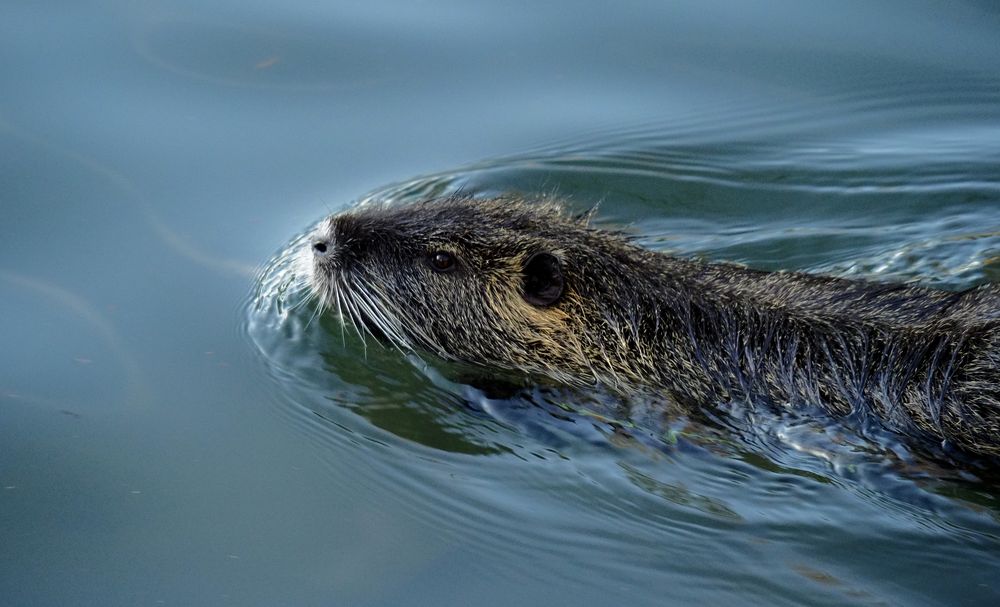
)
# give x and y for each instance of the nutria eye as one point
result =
(442, 261)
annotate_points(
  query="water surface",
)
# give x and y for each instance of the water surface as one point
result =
(174, 433)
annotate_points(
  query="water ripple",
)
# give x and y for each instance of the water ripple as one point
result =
(593, 474)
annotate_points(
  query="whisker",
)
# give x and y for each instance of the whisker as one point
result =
(400, 324)
(407, 325)
(343, 300)
(317, 311)
(340, 314)
(377, 313)
(301, 303)
(357, 320)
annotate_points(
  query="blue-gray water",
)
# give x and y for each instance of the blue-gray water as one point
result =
(171, 433)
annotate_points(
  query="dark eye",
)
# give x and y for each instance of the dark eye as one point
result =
(442, 261)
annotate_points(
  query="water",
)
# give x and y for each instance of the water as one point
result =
(171, 433)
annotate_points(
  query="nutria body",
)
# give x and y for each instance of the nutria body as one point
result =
(504, 283)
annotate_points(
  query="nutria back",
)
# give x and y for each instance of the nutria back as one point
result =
(510, 284)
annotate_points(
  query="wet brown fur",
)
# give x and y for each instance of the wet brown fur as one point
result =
(924, 362)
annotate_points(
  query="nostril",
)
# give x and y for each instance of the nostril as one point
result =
(320, 247)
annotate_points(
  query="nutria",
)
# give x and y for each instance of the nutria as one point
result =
(510, 284)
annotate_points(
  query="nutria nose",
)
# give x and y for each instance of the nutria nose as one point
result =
(321, 247)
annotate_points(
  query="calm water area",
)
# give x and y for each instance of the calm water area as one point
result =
(175, 431)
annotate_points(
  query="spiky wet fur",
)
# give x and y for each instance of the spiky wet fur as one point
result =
(925, 362)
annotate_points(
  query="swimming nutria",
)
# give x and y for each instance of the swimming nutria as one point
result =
(506, 283)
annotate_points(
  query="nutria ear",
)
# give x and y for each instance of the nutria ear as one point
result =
(543, 280)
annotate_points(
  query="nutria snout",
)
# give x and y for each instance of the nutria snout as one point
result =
(510, 284)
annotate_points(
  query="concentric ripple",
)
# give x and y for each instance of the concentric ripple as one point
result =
(542, 470)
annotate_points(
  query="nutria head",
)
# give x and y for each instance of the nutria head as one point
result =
(498, 282)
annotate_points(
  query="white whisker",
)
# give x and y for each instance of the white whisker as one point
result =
(317, 311)
(357, 320)
(389, 326)
(405, 324)
(340, 314)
